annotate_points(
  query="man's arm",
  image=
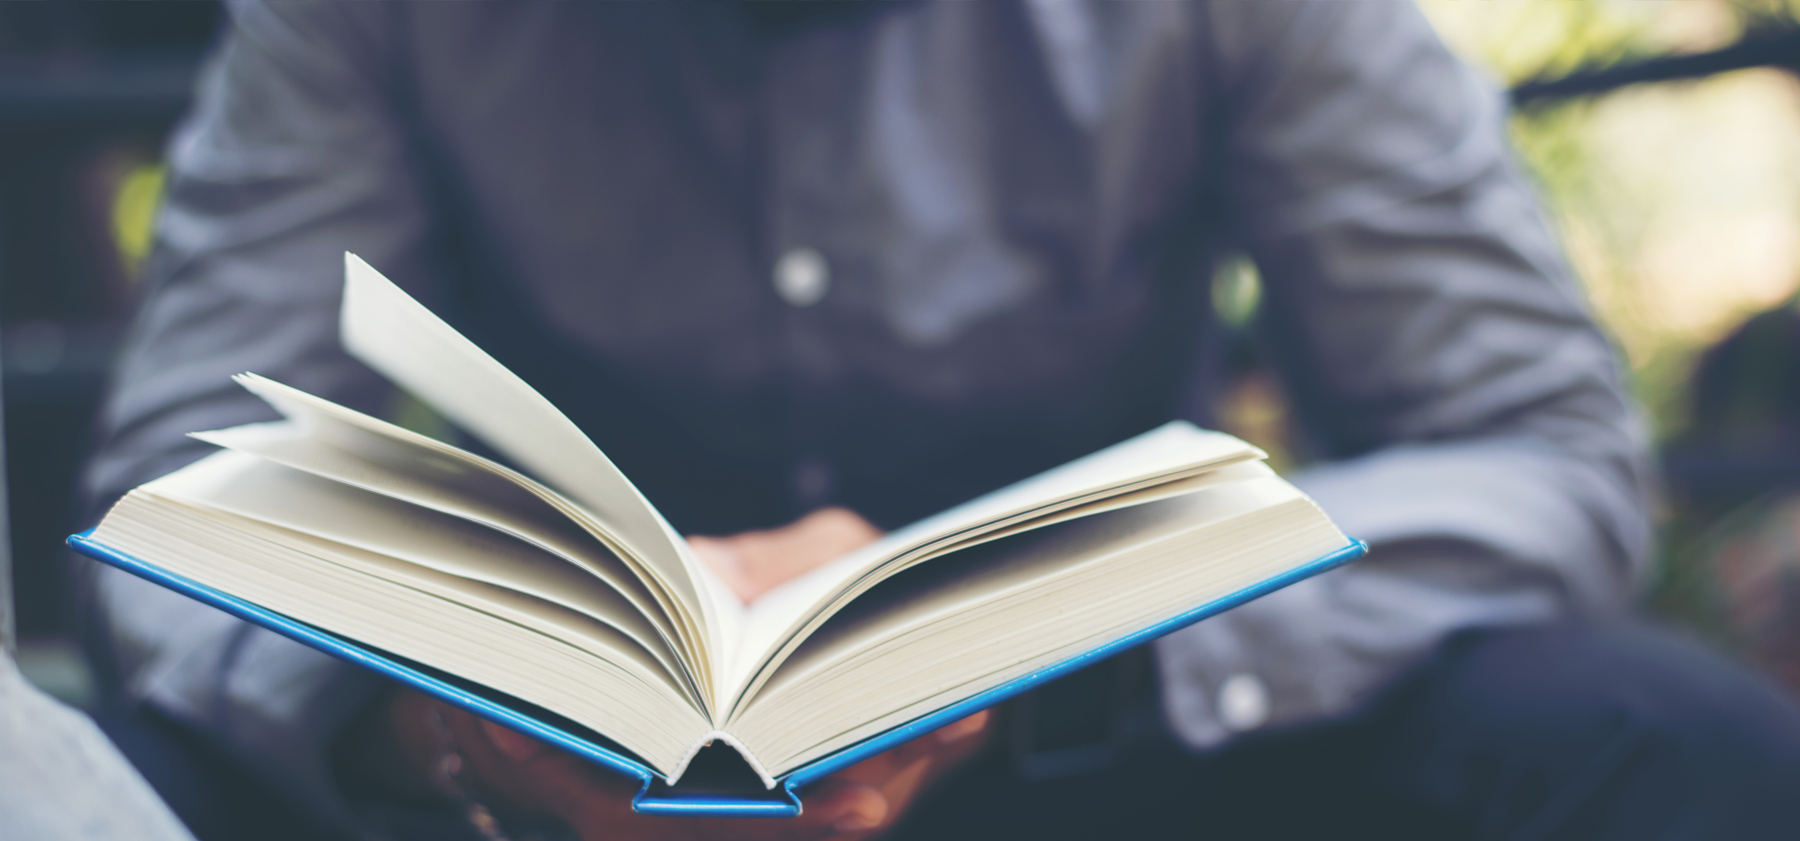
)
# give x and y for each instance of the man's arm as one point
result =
(290, 156)
(298, 150)
(1433, 343)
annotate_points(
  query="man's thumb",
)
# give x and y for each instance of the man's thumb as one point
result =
(514, 745)
(848, 806)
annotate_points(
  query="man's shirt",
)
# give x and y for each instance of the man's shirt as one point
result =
(892, 258)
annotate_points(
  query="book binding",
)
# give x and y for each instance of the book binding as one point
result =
(685, 798)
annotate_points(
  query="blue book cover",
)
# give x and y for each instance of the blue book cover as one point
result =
(696, 794)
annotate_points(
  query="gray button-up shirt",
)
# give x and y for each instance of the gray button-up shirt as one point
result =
(890, 258)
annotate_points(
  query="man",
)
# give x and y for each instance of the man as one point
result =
(842, 266)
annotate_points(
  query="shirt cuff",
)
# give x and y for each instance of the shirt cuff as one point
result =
(272, 703)
(1463, 535)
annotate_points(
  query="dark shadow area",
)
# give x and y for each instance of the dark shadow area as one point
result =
(88, 92)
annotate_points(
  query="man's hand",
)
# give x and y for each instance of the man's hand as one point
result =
(755, 562)
(535, 777)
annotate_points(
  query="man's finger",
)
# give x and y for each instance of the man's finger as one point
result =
(514, 745)
(953, 739)
(846, 806)
(959, 730)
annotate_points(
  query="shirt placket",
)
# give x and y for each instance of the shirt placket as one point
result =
(805, 257)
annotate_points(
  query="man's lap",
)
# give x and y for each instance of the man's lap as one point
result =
(1552, 732)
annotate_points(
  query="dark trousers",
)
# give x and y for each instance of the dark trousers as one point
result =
(1540, 733)
(1565, 732)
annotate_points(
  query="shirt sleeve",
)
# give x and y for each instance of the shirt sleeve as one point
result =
(1436, 351)
(290, 156)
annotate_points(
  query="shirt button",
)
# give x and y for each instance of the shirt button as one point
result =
(802, 277)
(1243, 702)
(812, 482)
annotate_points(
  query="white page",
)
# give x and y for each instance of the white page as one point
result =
(498, 648)
(338, 425)
(1171, 449)
(1027, 563)
(389, 331)
(849, 597)
(1155, 493)
(917, 656)
(559, 621)
(247, 486)
(437, 483)
(1174, 450)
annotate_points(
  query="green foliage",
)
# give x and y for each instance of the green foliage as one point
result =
(134, 213)
(1236, 291)
(1611, 208)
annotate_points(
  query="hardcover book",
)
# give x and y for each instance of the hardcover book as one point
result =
(548, 595)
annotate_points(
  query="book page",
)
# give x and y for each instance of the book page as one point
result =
(937, 634)
(926, 595)
(574, 627)
(349, 428)
(397, 336)
(412, 474)
(1086, 506)
(580, 667)
(1175, 449)
(247, 486)
(1169, 453)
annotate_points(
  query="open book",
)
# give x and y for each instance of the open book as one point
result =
(552, 597)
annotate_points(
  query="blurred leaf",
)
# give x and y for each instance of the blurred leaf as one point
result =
(134, 214)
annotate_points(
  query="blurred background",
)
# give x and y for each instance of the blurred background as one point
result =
(88, 92)
(1665, 135)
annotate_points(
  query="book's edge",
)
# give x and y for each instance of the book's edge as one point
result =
(844, 758)
(711, 736)
(786, 789)
(343, 649)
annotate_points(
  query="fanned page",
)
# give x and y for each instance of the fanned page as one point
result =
(1139, 470)
(397, 336)
(270, 493)
(428, 587)
(987, 615)
(411, 469)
